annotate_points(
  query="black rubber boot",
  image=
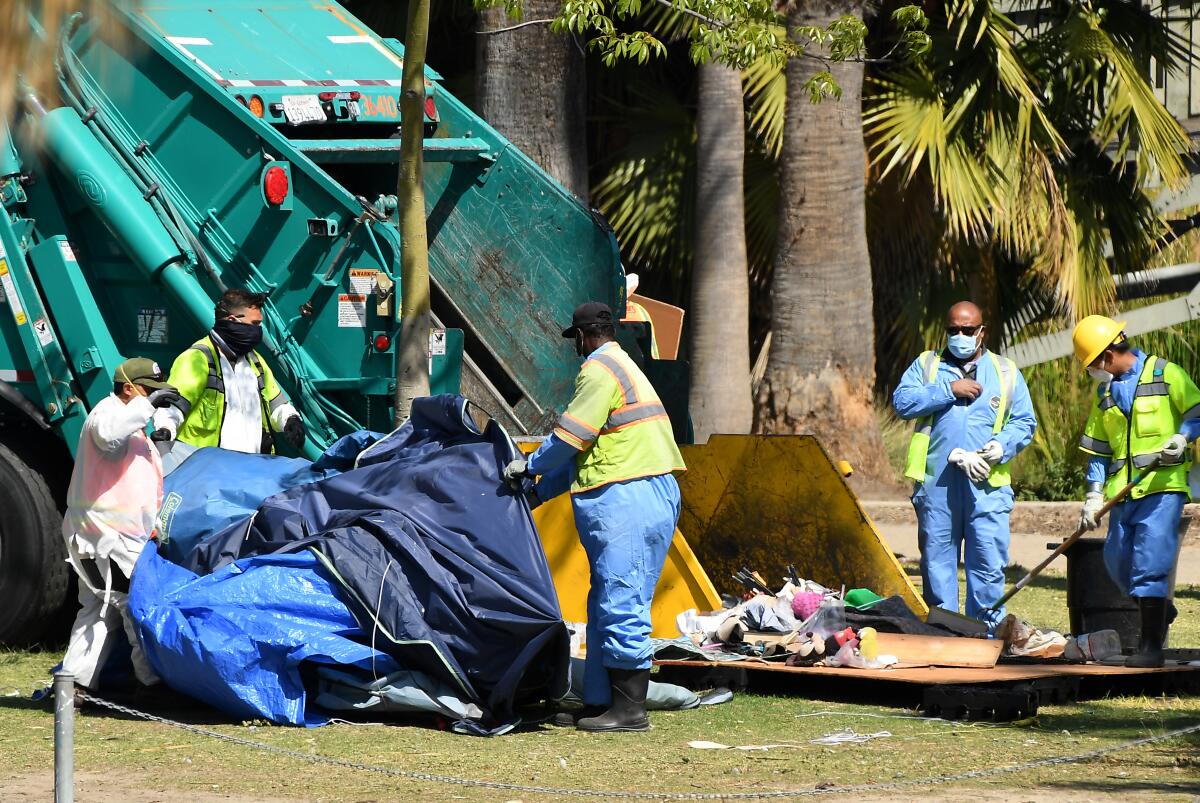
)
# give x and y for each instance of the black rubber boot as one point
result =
(628, 709)
(568, 719)
(1149, 654)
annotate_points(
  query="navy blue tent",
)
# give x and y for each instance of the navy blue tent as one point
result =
(421, 540)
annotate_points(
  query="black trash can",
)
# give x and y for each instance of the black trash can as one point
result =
(1093, 599)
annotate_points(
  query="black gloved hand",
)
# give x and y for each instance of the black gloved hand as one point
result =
(161, 435)
(166, 397)
(294, 431)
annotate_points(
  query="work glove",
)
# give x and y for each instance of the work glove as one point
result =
(1091, 506)
(164, 428)
(972, 463)
(165, 397)
(1172, 452)
(294, 431)
(993, 452)
(516, 472)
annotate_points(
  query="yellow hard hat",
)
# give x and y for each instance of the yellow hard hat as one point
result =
(1093, 335)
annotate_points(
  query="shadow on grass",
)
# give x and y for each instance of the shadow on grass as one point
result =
(165, 704)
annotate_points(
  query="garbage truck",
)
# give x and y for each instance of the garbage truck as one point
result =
(192, 147)
(186, 148)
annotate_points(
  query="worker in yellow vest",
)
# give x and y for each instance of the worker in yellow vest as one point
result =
(614, 450)
(1145, 413)
(228, 394)
(973, 415)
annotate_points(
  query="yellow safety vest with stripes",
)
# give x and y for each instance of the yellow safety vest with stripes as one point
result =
(1164, 398)
(618, 423)
(915, 467)
(196, 374)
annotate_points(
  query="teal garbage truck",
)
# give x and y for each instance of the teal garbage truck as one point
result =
(191, 147)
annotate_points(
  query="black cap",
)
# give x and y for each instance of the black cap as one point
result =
(590, 312)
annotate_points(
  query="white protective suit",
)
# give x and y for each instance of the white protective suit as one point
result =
(112, 506)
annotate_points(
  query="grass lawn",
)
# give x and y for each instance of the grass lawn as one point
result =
(133, 760)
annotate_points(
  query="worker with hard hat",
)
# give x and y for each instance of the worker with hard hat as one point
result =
(112, 508)
(636, 313)
(973, 415)
(1145, 413)
(615, 451)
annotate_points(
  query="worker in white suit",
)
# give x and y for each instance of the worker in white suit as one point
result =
(112, 506)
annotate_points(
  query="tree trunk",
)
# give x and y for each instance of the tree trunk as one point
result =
(531, 86)
(412, 355)
(821, 367)
(720, 307)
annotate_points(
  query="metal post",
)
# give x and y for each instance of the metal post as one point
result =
(64, 737)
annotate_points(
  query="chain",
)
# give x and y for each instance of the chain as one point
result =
(567, 792)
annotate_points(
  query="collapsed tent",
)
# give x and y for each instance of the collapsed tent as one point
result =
(416, 562)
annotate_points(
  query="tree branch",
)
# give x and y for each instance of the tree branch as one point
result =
(513, 27)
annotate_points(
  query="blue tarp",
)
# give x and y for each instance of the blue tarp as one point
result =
(422, 543)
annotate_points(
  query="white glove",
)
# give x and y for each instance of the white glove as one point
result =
(1173, 451)
(992, 452)
(972, 463)
(1091, 506)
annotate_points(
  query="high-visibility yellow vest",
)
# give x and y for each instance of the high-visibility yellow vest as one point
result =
(1165, 396)
(196, 374)
(618, 423)
(918, 448)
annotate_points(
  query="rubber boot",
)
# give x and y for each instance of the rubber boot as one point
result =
(628, 709)
(1153, 611)
(568, 719)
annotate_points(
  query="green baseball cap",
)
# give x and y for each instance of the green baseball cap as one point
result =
(141, 371)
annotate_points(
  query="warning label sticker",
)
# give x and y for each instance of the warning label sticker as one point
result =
(10, 292)
(362, 281)
(41, 327)
(152, 325)
(67, 253)
(352, 311)
(437, 341)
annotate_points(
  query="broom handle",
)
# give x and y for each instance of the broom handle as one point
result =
(1073, 537)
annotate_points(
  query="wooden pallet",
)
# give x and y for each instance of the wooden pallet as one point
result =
(1003, 692)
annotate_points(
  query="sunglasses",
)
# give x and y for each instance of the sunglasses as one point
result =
(963, 330)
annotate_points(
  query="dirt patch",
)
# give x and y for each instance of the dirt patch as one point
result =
(96, 786)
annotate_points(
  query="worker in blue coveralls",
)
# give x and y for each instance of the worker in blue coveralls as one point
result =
(973, 415)
(614, 449)
(1144, 414)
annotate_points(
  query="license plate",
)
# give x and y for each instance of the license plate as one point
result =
(303, 109)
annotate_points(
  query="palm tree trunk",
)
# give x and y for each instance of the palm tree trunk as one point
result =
(720, 306)
(531, 86)
(821, 367)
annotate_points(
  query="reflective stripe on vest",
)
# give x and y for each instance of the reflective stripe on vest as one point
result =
(215, 383)
(918, 448)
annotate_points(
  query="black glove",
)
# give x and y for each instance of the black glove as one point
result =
(532, 498)
(166, 397)
(161, 435)
(294, 431)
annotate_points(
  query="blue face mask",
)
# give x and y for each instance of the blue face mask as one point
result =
(963, 346)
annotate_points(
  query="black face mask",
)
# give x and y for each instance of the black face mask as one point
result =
(241, 338)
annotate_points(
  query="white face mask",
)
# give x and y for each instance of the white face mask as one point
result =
(1100, 375)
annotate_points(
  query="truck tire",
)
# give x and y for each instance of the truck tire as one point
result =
(34, 577)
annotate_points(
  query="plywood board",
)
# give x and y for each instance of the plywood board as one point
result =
(930, 676)
(941, 650)
(667, 321)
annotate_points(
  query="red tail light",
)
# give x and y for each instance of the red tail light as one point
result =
(382, 342)
(275, 185)
(430, 108)
(326, 96)
(355, 96)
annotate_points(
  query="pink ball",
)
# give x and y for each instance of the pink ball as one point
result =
(805, 604)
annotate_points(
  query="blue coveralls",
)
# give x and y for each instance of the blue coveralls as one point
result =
(1143, 534)
(626, 529)
(950, 508)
